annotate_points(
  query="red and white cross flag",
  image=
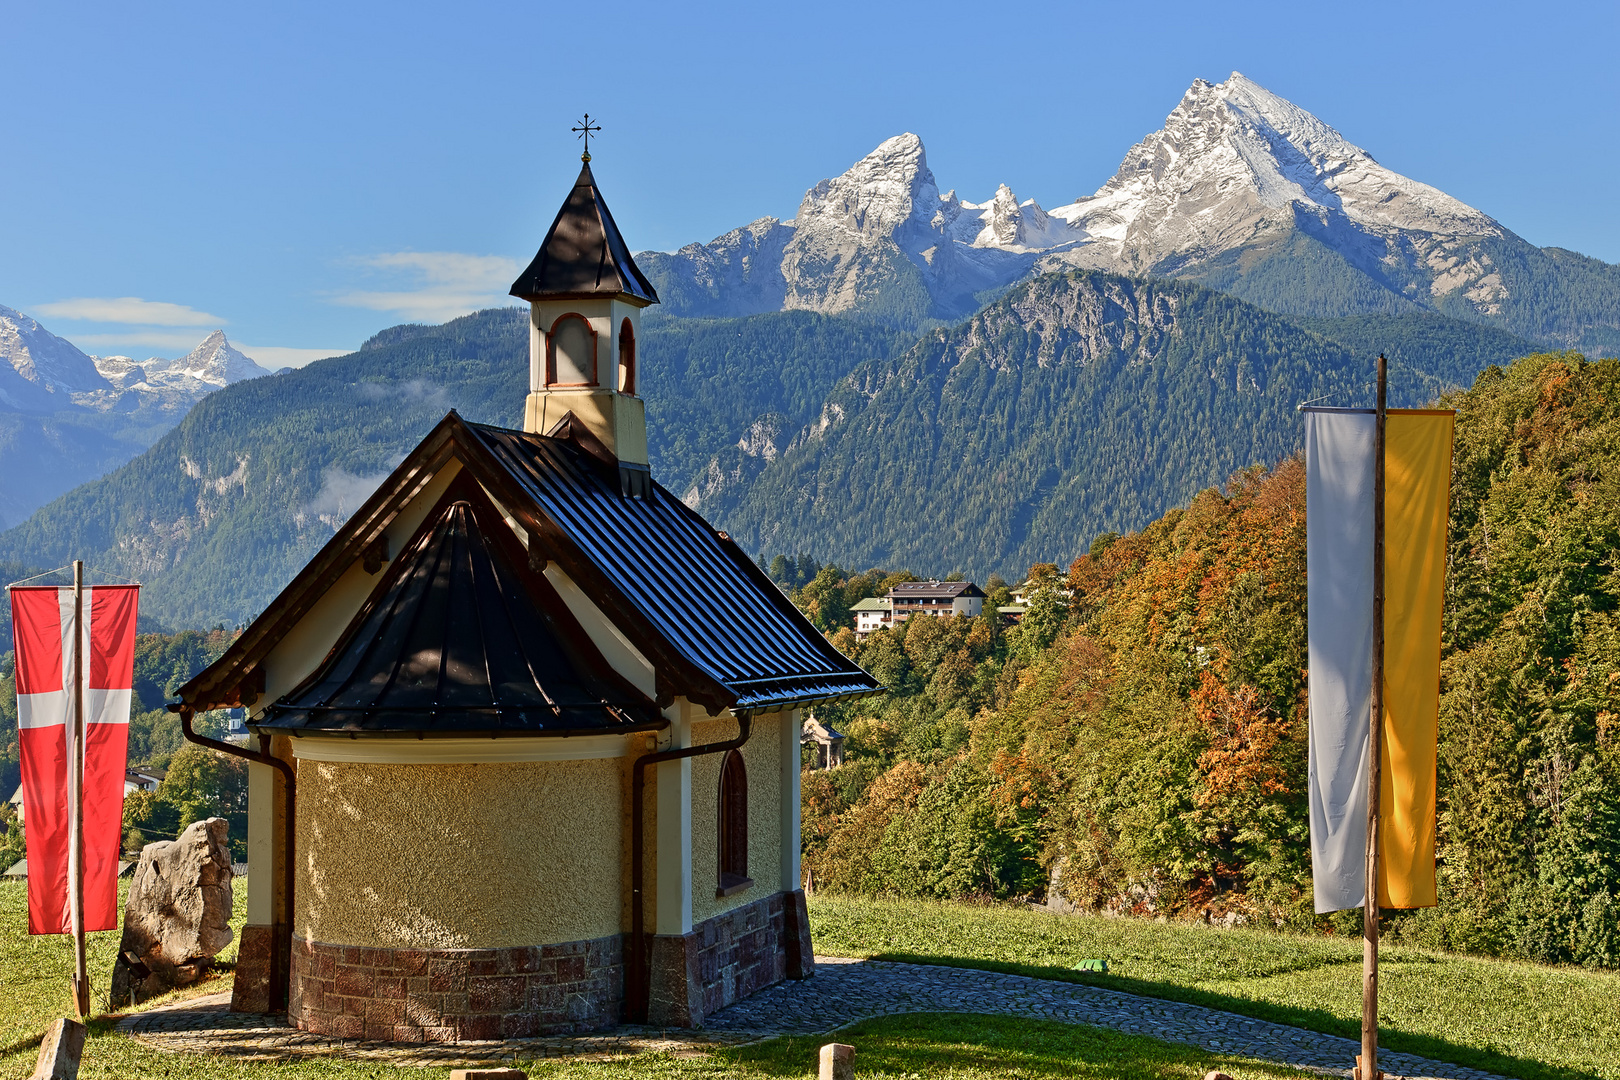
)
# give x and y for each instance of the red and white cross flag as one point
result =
(42, 622)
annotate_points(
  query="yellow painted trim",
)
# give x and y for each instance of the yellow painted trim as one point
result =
(454, 751)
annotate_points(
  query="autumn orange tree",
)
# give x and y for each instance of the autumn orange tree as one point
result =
(1141, 746)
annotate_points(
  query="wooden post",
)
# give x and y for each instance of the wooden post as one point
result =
(81, 978)
(1367, 1066)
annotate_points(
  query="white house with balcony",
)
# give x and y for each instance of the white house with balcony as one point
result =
(939, 599)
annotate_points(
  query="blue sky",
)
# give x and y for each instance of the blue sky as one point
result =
(302, 175)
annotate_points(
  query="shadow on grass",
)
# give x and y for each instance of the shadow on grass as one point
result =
(970, 1046)
(1391, 1038)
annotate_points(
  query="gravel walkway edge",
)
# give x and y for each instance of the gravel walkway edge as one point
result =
(843, 992)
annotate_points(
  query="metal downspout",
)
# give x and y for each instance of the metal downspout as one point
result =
(280, 970)
(638, 991)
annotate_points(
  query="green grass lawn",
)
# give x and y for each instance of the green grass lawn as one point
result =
(1521, 1020)
(34, 971)
(946, 1046)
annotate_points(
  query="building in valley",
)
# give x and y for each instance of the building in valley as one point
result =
(935, 598)
(143, 778)
(872, 613)
(528, 728)
(826, 744)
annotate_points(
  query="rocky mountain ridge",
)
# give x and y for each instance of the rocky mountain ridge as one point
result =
(67, 417)
(1077, 403)
(214, 363)
(40, 372)
(1241, 190)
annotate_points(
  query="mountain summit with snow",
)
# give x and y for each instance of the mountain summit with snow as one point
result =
(1233, 157)
(67, 417)
(216, 362)
(1241, 190)
(39, 372)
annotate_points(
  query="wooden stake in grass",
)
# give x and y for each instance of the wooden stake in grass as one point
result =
(60, 1051)
(837, 1062)
(1367, 1063)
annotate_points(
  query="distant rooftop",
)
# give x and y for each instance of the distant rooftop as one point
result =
(934, 590)
(874, 603)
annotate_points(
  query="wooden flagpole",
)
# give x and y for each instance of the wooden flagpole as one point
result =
(1367, 1063)
(81, 979)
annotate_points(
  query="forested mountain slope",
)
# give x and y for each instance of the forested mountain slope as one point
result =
(1145, 736)
(712, 383)
(1115, 399)
(67, 418)
(223, 510)
(1079, 403)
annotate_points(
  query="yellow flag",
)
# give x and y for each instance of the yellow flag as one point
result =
(1417, 496)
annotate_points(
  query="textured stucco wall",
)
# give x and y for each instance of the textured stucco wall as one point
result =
(764, 815)
(459, 856)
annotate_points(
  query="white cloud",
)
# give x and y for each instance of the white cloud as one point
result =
(185, 341)
(342, 493)
(128, 309)
(440, 285)
(182, 342)
(280, 356)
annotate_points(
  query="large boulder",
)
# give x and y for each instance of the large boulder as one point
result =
(178, 915)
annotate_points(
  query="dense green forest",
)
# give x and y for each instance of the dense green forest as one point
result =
(1551, 296)
(707, 381)
(1072, 404)
(1137, 742)
(1076, 404)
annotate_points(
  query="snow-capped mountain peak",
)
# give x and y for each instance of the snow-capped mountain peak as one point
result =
(880, 193)
(1234, 168)
(1019, 226)
(51, 365)
(1232, 156)
(215, 361)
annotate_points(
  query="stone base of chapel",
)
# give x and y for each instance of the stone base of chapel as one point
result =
(727, 958)
(255, 969)
(459, 995)
(456, 995)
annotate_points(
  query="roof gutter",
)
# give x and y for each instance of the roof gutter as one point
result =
(281, 933)
(637, 992)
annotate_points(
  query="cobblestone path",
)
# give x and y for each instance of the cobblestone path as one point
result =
(205, 1025)
(842, 992)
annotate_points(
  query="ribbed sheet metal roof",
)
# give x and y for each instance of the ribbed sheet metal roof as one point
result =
(583, 253)
(455, 641)
(695, 588)
(934, 590)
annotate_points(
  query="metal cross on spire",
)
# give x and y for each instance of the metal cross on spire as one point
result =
(585, 128)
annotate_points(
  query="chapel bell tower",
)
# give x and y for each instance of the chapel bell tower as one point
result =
(585, 297)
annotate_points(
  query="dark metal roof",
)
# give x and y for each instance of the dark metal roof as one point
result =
(716, 630)
(689, 585)
(583, 255)
(934, 590)
(459, 637)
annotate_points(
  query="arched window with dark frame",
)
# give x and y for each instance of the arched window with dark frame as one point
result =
(571, 352)
(733, 826)
(627, 358)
